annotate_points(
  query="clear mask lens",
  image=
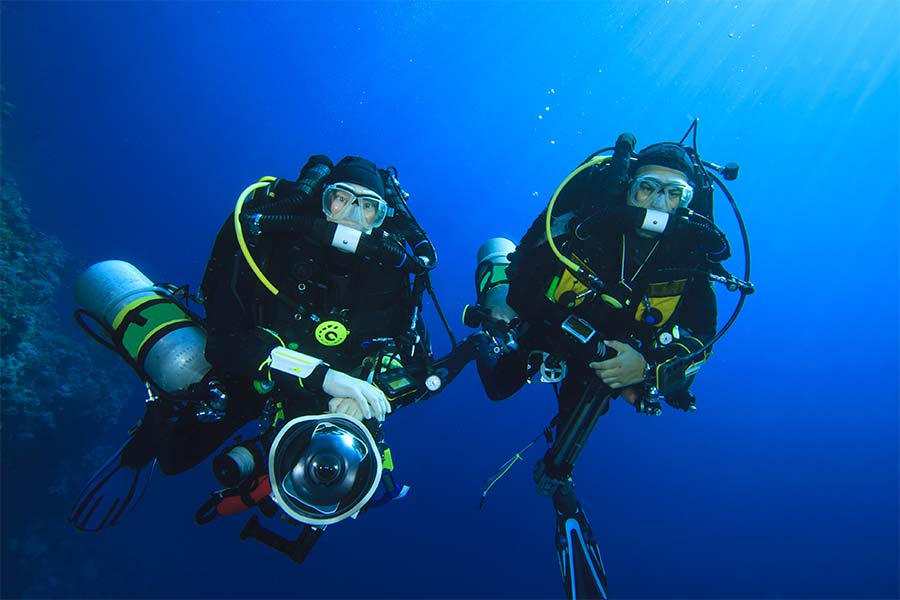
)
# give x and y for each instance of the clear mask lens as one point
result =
(342, 204)
(652, 192)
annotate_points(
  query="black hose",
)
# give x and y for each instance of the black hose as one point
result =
(437, 307)
(385, 248)
(107, 343)
(741, 226)
(291, 224)
(704, 232)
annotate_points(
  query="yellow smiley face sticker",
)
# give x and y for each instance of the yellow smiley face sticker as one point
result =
(331, 333)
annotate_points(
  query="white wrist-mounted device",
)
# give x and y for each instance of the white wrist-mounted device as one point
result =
(293, 362)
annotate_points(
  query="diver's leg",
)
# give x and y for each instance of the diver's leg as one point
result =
(184, 443)
(579, 556)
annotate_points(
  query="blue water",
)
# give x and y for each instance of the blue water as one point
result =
(138, 124)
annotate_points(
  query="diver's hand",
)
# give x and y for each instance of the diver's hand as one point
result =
(631, 394)
(345, 406)
(370, 399)
(626, 368)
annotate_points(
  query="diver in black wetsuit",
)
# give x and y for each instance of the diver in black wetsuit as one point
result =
(609, 294)
(656, 303)
(312, 324)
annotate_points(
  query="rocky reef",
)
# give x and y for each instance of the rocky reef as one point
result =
(59, 394)
(47, 378)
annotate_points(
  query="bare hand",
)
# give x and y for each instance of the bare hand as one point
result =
(346, 406)
(631, 394)
(372, 401)
(626, 368)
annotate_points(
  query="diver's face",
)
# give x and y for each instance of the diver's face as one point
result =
(659, 188)
(353, 205)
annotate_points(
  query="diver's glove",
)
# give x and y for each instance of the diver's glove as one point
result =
(315, 374)
(370, 400)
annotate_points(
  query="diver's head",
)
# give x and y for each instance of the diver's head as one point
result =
(662, 180)
(354, 194)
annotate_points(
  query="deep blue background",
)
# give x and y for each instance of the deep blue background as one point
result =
(137, 125)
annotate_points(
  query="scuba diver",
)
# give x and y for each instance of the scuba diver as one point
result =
(608, 294)
(312, 327)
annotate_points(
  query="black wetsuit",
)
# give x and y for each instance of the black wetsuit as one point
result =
(668, 280)
(317, 284)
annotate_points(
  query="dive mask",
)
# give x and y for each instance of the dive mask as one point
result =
(650, 191)
(343, 204)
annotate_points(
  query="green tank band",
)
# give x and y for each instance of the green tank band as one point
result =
(141, 326)
(493, 277)
(132, 307)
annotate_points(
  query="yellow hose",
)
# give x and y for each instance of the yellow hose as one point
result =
(574, 267)
(239, 233)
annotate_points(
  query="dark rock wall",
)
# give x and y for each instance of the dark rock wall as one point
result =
(60, 396)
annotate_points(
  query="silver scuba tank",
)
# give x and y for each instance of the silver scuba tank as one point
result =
(491, 282)
(148, 326)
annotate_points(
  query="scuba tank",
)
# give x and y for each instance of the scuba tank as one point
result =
(144, 324)
(491, 311)
(491, 282)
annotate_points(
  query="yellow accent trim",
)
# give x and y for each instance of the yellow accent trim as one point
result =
(696, 339)
(133, 305)
(568, 282)
(597, 160)
(656, 374)
(686, 349)
(666, 305)
(268, 360)
(155, 329)
(387, 461)
(514, 460)
(267, 179)
(239, 233)
(265, 364)
(611, 300)
(391, 361)
(335, 328)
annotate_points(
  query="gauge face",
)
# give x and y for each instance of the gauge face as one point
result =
(433, 383)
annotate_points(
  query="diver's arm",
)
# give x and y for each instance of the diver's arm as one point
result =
(290, 367)
(504, 376)
(625, 368)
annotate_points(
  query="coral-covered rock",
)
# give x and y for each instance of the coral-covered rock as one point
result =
(46, 377)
